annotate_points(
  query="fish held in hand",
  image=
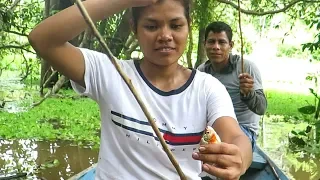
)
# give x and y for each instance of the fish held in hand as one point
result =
(209, 136)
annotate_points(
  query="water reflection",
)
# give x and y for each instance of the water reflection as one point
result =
(274, 142)
(306, 168)
(29, 156)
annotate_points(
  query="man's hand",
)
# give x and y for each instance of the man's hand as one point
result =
(221, 160)
(246, 83)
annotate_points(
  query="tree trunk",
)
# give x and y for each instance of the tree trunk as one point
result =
(54, 90)
(190, 49)
(201, 49)
(45, 67)
(46, 71)
(59, 5)
(85, 43)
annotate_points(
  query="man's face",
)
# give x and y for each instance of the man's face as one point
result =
(218, 47)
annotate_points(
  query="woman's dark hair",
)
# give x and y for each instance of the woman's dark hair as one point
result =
(136, 12)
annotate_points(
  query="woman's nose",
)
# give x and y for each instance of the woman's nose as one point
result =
(165, 34)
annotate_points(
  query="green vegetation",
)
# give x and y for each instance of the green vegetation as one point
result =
(291, 51)
(287, 103)
(67, 117)
(287, 28)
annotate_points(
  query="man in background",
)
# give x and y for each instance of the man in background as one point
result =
(245, 88)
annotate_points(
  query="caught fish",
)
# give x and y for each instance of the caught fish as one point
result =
(209, 136)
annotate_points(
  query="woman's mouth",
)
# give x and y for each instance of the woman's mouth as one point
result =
(165, 49)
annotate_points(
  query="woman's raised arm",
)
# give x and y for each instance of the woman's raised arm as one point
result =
(50, 38)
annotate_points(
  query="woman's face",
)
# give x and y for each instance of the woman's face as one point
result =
(162, 31)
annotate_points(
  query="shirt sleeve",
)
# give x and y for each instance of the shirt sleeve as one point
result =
(256, 100)
(219, 102)
(98, 70)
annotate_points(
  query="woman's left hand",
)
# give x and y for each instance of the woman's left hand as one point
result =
(221, 160)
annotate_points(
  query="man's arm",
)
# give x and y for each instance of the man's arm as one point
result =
(251, 90)
(256, 101)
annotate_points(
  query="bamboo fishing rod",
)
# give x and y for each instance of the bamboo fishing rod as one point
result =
(241, 38)
(113, 59)
(242, 71)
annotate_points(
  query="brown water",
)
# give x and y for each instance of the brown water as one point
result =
(27, 156)
(306, 169)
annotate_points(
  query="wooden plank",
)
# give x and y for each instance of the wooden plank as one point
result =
(258, 162)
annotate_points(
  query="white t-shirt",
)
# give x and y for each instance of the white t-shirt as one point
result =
(129, 149)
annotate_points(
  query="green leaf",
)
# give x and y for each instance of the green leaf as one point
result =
(294, 132)
(308, 129)
(310, 109)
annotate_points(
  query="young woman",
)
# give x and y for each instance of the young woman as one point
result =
(182, 101)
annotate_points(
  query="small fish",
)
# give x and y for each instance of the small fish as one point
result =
(209, 137)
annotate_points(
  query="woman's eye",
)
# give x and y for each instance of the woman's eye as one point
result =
(150, 27)
(176, 26)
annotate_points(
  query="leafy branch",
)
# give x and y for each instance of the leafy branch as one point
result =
(251, 12)
(16, 33)
(22, 47)
(14, 5)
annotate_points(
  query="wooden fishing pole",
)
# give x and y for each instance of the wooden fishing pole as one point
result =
(241, 38)
(242, 71)
(113, 59)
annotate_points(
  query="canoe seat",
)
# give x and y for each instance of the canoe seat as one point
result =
(258, 162)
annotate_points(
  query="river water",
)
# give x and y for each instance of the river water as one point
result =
(37, 159)
(30, 157)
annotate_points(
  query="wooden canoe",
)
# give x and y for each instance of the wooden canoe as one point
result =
(262, 168)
